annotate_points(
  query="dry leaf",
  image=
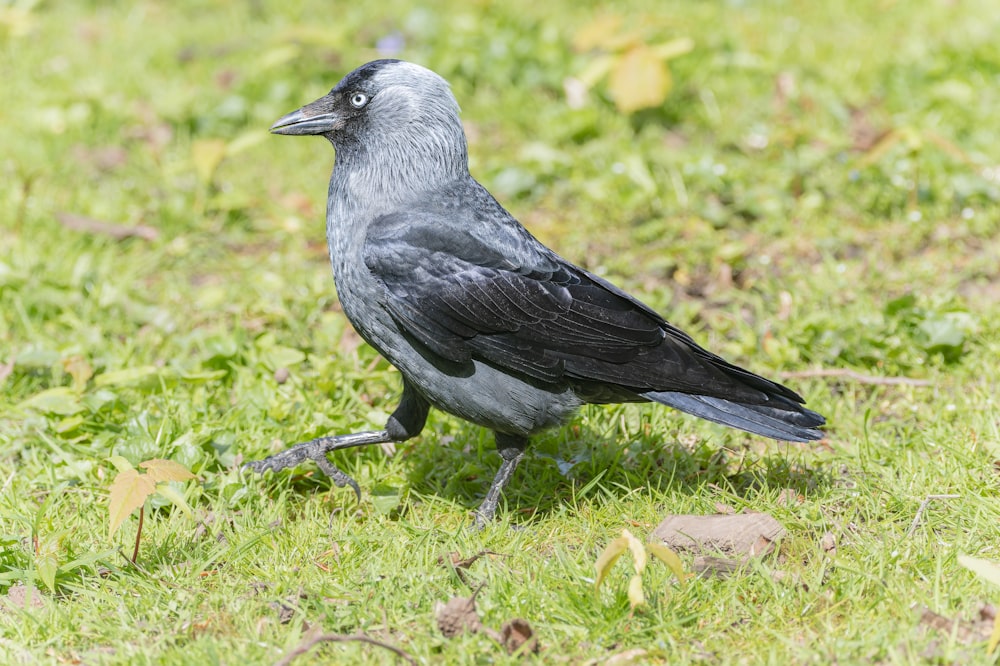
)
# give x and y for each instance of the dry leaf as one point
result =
(639, 80)
(458, 616)
(129, 491)
(517, 634)
(828, 543)
(600, 33)
(751, 534)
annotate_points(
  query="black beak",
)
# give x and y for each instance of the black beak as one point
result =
(315, 118)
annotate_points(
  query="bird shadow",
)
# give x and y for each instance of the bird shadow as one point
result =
(561, 464)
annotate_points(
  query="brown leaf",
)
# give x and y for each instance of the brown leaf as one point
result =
(964, 631)
(789, 497)
(828, 542)
(458, 616)
(639, 79)
(517, 634)
(116, 231)
(742, 534)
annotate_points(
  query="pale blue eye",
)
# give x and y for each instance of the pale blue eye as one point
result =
(358, 100)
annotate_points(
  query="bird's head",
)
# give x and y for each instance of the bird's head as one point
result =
(387, 114)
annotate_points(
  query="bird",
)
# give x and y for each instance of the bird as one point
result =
(481, 319)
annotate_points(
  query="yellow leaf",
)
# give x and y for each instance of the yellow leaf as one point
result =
(639, 80)
(638, 552)
(989, 571)
(129, 491)
(79, 370)
(635, 594)
(207, 155)
(668, 557)
(160, 470)
(608, 557)
(597, 33)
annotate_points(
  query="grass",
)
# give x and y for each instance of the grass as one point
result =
(756, 208)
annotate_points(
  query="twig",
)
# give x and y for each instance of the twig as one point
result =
(317, 636)
(856, 376)
(920, 511)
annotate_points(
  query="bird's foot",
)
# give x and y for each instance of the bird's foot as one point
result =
(316, 450)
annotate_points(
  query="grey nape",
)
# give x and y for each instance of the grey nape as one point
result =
(481, 319)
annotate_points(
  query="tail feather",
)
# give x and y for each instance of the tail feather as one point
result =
(780, 418)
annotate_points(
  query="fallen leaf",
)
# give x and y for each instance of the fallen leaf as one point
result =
(789, 497)
(458, 616)
(639, 79)
(828, 542)
(752, 534)
(962, 630)
(517, 635)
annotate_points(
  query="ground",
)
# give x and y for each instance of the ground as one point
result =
(814, 193)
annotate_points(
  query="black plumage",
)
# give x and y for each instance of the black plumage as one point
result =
(482, 320)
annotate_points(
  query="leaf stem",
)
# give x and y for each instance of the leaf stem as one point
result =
(138, 533)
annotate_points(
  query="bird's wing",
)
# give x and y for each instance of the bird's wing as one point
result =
(503, 298)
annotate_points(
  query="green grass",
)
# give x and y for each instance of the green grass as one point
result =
(750, 209)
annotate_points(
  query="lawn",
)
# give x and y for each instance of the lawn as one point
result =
(814, 193)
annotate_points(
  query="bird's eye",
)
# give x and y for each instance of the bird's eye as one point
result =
(358, 100)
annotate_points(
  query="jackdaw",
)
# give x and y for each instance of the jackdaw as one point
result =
(481, 319)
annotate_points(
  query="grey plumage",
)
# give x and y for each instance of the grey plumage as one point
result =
(481, 319)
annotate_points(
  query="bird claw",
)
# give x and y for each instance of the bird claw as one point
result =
(314, 450)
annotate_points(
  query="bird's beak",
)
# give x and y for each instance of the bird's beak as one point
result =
(316, 118)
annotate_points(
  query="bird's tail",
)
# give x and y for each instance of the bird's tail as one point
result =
(780, 418)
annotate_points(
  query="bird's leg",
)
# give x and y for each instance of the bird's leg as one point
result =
(511, 449)
(406, 422)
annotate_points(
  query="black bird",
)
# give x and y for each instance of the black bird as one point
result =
(482, 320)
